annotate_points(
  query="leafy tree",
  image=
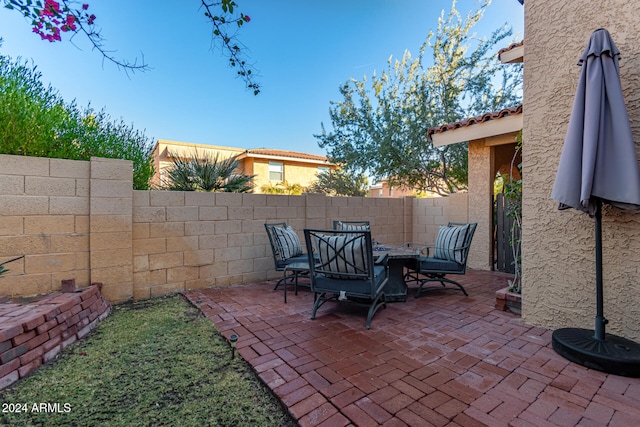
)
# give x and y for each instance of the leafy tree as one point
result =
(340, 182)
(35, 121)
(380, 126)
(52, 19)
(204, 172)
(283, 188)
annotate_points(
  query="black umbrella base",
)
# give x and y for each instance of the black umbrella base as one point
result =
(615, 355)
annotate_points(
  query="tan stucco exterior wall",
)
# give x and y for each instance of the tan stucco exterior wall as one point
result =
(480, 207)
(163, 150)
(303, 174)
(558, 247)
(295, 170)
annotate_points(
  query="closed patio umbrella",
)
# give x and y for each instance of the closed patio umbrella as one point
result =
(598, 165)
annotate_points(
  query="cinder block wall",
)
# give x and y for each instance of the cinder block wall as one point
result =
(81, 220)
(429, 214)
(44, 215)
(185, 240)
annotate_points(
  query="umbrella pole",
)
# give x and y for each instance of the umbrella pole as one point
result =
(593, 348)
(599, 332)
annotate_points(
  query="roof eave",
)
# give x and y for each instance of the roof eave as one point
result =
(513, 56)
(489, 129)
(287, 158)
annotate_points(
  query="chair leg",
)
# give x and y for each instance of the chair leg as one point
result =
(283, 281)
(442, 280)
(379, 301)
(320, 299)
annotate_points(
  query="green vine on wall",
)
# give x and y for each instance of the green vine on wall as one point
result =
(513, 196)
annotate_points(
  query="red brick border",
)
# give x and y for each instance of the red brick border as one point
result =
(34, 333)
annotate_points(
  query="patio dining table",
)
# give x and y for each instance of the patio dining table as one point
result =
(398, 257)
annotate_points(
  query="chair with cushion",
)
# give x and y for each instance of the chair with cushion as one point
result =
(449, 257)
(345, 271)
(352, 225)
(286, 249)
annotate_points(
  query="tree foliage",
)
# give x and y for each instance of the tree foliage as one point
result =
(51, 19)
(204, 172)
(35, 121)
(283, 187)
(340, 182)
(380, 126)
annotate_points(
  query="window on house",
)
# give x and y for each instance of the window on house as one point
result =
(323, 169)
(276, 171)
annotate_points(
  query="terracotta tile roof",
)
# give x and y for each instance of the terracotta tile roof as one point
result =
(473, 120)
(285, 153)
(510, 47)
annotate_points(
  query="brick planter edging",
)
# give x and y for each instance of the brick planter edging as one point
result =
(34, 333)
(508, 301)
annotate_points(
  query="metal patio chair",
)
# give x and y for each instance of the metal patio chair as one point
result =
(287, 250)
(352, 225)
(447, 257)
(345, 271)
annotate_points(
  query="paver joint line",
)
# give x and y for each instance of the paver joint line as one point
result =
(438, 360)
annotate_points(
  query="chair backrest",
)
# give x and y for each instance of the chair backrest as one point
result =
(343, 255)
(448, 243)
(277, 258)
(352, 225)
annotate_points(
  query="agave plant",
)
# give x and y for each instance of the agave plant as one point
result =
(204, 172)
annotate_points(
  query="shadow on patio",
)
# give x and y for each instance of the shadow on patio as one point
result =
(442, 359)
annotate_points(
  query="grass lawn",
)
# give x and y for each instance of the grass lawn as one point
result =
(157, 362)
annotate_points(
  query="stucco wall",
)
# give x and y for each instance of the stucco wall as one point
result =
(303, 174)
(480, 208)
(82, 220)
(558, 247)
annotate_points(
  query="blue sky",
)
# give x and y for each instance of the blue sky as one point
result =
(304, 50)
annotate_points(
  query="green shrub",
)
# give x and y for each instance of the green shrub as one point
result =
(35, 121)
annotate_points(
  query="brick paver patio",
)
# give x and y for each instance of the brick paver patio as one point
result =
(443, 359)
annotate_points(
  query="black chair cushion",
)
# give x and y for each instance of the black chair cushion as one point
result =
(439, 265)
(299, 258)
(363, 287)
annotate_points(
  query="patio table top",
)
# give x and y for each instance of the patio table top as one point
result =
(444, 359)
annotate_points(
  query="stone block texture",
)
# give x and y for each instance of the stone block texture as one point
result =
(140, 244)
(44, 207)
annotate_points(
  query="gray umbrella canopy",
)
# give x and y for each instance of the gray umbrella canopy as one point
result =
(598, 158)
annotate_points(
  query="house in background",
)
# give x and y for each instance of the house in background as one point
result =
(270, 167)
(382, 188)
